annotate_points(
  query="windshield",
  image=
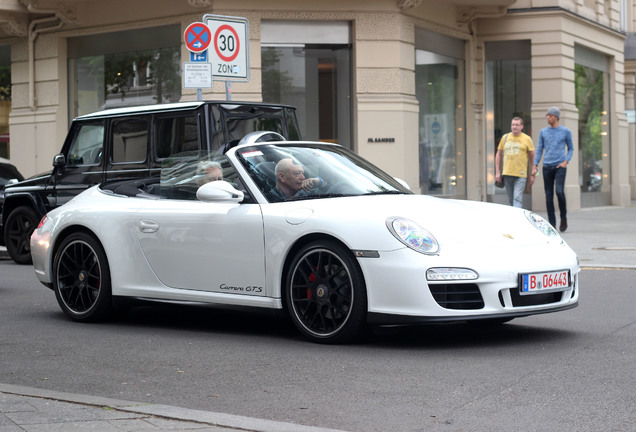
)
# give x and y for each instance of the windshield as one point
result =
(306, 171)
(234, 121)
(183, 173)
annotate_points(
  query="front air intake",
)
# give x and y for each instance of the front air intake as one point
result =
(457, 296)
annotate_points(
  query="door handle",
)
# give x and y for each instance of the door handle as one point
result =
(148, 226)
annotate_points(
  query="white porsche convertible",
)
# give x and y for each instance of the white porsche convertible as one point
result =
(310, 228)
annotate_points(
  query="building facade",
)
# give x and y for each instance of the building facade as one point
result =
(425, 89)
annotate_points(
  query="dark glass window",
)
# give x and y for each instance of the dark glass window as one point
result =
(87, 145)
(130, 140)
(176, 135)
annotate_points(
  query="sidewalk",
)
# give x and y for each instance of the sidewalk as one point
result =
(602, 237)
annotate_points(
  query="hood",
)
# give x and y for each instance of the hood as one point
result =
(33, 180)
(454, 223)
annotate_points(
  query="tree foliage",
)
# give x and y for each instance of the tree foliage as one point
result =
(156, 68)
(276, 84)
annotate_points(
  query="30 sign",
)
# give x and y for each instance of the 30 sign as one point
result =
(229, 53)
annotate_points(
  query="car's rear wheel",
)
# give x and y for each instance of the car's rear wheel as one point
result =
(326, 294)
(82, 278)
(17, 234)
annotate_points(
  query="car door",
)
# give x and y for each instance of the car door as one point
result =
(204, 246)
(84, 165)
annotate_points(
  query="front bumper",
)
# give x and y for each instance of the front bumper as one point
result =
(399, 293)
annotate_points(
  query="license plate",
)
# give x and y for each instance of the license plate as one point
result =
(535, 283)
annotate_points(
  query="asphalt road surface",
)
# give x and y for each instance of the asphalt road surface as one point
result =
(572, 370)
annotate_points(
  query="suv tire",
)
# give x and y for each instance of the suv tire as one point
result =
(17, 234)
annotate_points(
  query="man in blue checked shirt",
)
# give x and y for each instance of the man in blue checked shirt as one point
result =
(554, 140)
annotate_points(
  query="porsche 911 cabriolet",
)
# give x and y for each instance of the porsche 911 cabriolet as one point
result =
(308, 228)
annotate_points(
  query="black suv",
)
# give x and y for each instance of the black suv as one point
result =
(130, 143)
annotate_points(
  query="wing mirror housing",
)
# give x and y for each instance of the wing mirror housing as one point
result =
(219, 191)
(59, 162)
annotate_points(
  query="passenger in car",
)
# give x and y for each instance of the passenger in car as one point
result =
(209, 171)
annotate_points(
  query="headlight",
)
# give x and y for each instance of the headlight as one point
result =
(542, 225)
(412, 235)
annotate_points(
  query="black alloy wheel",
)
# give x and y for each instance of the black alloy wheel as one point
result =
(326, 294)
(82, 278)
(17, 234)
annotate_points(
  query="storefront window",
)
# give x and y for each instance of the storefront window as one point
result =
(103, 75)
(591, 81)
(439, 81)
(307, 65)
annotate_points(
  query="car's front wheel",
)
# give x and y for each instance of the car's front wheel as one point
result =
(326, 294)
(17, 234)
(82, 278)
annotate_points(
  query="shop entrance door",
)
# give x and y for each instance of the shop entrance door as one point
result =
(307, 64)
(508, 94)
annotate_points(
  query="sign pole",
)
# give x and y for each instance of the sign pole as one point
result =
(228, 90)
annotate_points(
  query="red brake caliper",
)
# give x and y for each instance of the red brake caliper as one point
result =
(312, 279)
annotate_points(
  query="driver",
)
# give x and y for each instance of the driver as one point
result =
(290, 178)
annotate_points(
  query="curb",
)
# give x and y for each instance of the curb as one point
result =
(230, 421)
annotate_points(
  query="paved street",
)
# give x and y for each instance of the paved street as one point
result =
(571, 369)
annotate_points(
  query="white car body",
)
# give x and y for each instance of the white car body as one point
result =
(222, 251)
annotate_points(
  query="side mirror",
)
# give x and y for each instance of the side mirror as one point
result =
(219, 191)
(59, 162)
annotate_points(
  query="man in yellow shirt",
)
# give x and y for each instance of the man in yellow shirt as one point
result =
(518, 152)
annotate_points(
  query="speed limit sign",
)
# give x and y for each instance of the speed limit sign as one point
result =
(229, 50)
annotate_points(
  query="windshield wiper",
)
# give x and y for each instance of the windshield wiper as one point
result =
(316, 196)
(334, 195)
(393, 192)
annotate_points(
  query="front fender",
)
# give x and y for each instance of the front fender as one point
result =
(19, 199)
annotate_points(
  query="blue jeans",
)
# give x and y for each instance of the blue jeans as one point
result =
(554, 178)
(515, 187)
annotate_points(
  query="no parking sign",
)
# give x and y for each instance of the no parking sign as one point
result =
(229, 51)
(197, 37)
